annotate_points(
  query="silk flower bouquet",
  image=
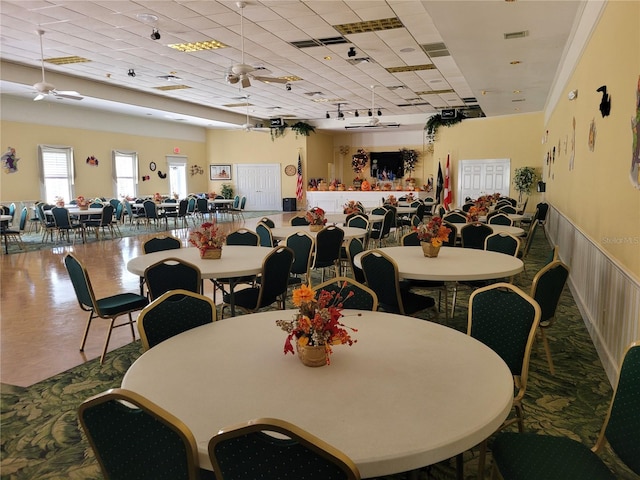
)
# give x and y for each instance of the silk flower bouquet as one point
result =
(208, 235)
(433, 232)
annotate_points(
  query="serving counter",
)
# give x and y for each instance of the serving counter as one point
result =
(334, 201)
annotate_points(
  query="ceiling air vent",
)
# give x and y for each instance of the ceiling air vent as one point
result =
(512, 35)
(318, 42)
(438, 49)
(361, 60)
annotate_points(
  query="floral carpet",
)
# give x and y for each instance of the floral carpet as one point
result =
(40, 436)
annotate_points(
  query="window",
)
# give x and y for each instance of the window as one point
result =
(125, 173)
(56, 172)
(177, 175)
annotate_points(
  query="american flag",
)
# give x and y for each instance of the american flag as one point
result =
(299, 184)
(447, 187)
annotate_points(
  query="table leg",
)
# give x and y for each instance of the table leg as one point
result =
(232, 300)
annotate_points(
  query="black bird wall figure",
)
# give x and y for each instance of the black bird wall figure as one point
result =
(605, 103)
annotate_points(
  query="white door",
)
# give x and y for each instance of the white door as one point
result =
(260, 183)
(483, 177)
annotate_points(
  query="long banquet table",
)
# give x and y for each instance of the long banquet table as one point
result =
(407, 394)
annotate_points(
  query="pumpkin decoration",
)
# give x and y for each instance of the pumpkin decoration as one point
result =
(365, 186)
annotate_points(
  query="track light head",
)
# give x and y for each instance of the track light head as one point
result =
(328, 116)
(351, 52)
(340, 114)
(288, 87)
(357, 114)
(132, 72)
(155, 34)
(379, 112)
(370, 113)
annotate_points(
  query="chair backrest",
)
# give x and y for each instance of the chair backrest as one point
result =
(381, 273)
(182, 207)
(114, 202)
(622, 426)
(543, 210)
(61, 217)
(410, 239)
(298, 220)
(173, 312)
(354, 247)
(243, 202)
(507, 209)
(416, 220)
(379, 211)
(119, 211)
(529, 241)
(500, 219)
(107, 214)
(236, 201)
(503, 203)
(23, 218)
(467, 206)
(302, 245)
(191, 205)
(473, 235)
(453, 234)
(127, 207)
(352, 294)
(328, 243)
(264, 234)
(158, 244)
(202, 205)
(172, 274)
(505, 319)
(503, 243)
(358, 221)
(243, 236)
(138, 439)
(268, 222)
(553, 255)
(81, 284)
(387, 223)
(547, 287)
(150, 209)
(454, 217)
(250, 452)
(276, 269)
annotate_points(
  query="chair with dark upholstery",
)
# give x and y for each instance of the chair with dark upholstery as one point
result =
(172, 274)
(64, 224)
(410, 240)
(507, 209)
(174, 312)
(158, 244)
(47, 223)
(303, 246)
(452, 240)
(500, 219)
(380, 232)
(473, 235)
(327, 249)
(505, 319)
(298, 220)
(353, 295)
(454, 217)
(109, 308)
(133, 216)
(354, 247)
(179, 214)
(528, 456)
(202, 208)
(264, 233)
(133, 438)
(382, 277)
(268, 222)
(105, 222)
(11, 235)
(151, 214)
(502, 243)
(251, 451)
(546, 289)
(244, 237)
(273, 285)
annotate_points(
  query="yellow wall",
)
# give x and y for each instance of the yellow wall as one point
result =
(90, 181)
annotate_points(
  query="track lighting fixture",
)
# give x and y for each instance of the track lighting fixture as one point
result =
(340, 114)
(132, 72)
(351, 52)
(155, 34)
(328, 116)
(357, 114)
(379, 112)
(370, 113)
(288, 87)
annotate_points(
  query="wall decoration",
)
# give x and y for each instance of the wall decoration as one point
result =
(10, 161)
(196, 170)
(219, 172)
(145, 178)
(152, 166)
(573, 145)
(634, 174)
(93, 161)
(162, 175)
(605, 103)
(592, 135)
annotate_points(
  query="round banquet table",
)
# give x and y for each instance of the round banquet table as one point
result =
(515, 231)
(451, 264)
(407, 394)
(280, 233)
(342, 217)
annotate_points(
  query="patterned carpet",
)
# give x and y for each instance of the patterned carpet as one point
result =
(41, 438)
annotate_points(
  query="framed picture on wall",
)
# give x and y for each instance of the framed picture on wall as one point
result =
(220, 172)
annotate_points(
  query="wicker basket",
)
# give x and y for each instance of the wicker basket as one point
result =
(316, 228)
(429, 250)
(211, 253)
(312, 356)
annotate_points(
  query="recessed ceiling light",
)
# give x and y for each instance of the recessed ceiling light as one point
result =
(407, 50)
(147, 17)
(517, 91)
(328, 57)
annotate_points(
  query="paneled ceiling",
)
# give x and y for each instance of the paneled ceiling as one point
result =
(481, 57)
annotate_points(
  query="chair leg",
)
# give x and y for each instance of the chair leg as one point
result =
(106, 342)
(86, 331)
(133, 332)
(547, 350)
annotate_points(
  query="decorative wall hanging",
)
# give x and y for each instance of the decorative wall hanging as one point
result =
(220, 172)
(145, 178)
(162, 175)
(152, 166)
(93, 161)
(10, 161)
(592, 135)
(634, 174)
(196, 170)
(605, 103)
(573, 145)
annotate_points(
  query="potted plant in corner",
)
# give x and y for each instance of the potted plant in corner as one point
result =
(523, 180)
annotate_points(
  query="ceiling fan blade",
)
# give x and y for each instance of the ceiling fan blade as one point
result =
(270, 79)
(68, 94)
(40, 96)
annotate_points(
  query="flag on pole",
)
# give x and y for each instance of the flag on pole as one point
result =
(439, 184)
(299, 184)
(447, 187)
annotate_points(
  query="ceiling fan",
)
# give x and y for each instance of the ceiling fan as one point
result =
(247, 126)
(44, 88)
(242, 72)
(374, 121)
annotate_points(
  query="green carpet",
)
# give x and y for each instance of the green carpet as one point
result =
(41, 437)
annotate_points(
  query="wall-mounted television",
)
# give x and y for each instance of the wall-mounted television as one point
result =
(386, 165)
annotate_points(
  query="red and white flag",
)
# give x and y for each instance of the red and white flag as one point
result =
(447, 187)
(299, 184)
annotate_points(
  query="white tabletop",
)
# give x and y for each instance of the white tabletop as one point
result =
(451, 264)
(77, 212)
(342, 217)
(236, 261)
(158, 205)
(4, 218)
(516, 217)
(515, 231)
(221, 201)
(280, 233)
(409, 393)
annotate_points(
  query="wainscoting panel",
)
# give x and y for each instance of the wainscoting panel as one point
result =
(607, 296)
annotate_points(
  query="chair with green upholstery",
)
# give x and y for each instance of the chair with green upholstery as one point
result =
(352, 294)
(135, 439)
(328, 249)
(473, 235)
(505, 318)
(264, 234)
(455, 217)
(354, 247)
(302, 245)
(382, 277)
(251, 451)
(410, 240)
(528, 456)
(546, 289)
(172, 274)
(503, 243)
(273, 285)
(109, 308)
(499, 219)
(243, 237)
(158, 244)
(298, 221)
(268, 222)
(174, 312)
(64, 224)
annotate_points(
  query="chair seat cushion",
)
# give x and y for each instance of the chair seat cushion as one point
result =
(121, 303)
(524, 456)
(247, 298)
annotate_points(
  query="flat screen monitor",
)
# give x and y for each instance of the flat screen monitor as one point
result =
(386, 165)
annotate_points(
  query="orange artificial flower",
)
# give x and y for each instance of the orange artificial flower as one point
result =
(302, 295)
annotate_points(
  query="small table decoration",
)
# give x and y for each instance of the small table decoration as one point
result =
(208, 239)
(316, 219)
(316, 327)
(82, 203)
(59, 201)
(475, 212)
(157, 198)
(431, 236)
(350, 207)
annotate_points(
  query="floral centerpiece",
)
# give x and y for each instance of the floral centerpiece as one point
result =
(157, 197)
(432, 235)
(316, 218)
(391, 200)
(475, 212)
(316, 327)
(59, 201)
(351, 207)
(208, 239)
(82, 202)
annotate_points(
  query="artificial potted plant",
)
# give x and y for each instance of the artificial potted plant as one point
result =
(523, 180)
